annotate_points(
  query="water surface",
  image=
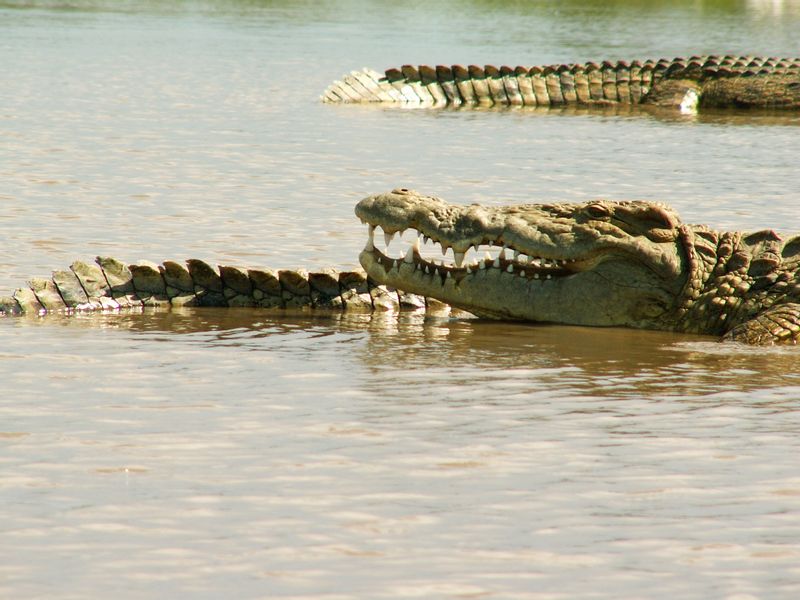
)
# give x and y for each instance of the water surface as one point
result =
(201, 453)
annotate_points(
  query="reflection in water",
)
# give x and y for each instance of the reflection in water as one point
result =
(715, 116)
(725, 117)
(541, 359)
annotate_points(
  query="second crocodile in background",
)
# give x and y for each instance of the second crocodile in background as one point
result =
(686, 84)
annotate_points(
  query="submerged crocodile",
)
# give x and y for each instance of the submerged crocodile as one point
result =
(599, 263)
(682, 83)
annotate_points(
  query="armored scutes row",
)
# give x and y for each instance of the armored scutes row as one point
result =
(685, 83)
(113, 285)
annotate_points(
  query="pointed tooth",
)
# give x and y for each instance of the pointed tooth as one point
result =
(482, 265)
(415, 245)
(536, 276)
(487, 257)
(370, 238)
(510, 269)
(409, 257)
(459, 256)
(549, 276)
(447, 275)
(395, 263)
(496, 262)
(388, 237)
(522, 273)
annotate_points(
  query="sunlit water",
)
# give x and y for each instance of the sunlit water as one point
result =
(232, 453)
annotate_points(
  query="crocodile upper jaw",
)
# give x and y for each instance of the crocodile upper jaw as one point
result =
(543, 269)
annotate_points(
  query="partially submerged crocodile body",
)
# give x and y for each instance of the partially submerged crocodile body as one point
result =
(682, 83)
(600, 263)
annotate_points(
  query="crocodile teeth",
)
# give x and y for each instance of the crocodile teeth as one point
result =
(496, 262)
(409, 257)
(388, 237)
(459, 256)
(510, 269)
(370, 238)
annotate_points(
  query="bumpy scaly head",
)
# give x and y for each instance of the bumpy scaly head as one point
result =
(595, 263)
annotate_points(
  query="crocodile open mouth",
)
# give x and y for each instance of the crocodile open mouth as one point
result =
(420, 251)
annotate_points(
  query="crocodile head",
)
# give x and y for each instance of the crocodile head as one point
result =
(595, 263)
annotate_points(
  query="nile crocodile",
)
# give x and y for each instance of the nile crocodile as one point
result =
(683, 83)
(599, 263)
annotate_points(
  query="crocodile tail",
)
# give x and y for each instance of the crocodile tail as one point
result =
(110, 284)
(608, 82)
(488, 85)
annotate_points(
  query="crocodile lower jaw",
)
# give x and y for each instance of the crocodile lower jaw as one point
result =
(462, 282)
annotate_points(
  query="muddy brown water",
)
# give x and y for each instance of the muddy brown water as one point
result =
(202, 453)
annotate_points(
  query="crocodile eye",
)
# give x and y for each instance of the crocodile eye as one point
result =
(598, 211)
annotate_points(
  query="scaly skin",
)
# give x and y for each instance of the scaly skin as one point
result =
(681, 83)
(600, 263)
(113, 285)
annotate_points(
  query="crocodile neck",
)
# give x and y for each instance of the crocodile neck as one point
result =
(733, 276)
